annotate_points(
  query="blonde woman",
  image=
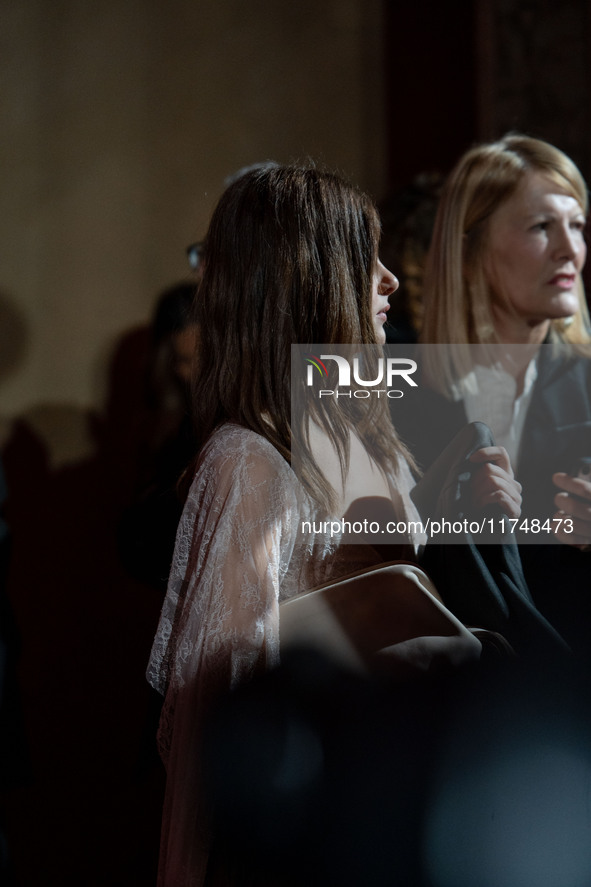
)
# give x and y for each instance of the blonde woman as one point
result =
(508, 248)
(504, 274)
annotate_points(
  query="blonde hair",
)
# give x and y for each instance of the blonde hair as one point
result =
(456, 293)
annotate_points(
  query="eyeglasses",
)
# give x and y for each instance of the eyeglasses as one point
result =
(195, 254)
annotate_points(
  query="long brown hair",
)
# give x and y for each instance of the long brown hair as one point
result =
(289, 258)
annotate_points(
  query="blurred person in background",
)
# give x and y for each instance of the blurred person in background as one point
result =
(407, 225)
(148, 528)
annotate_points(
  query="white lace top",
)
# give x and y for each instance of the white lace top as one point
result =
(239, 552)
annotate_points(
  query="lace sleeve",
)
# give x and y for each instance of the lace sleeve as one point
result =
(235, 539)
(220, 619)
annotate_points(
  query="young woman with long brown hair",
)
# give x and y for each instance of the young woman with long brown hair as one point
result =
(291, 256)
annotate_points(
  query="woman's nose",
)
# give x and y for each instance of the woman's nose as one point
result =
(570, 245)
(388, 283)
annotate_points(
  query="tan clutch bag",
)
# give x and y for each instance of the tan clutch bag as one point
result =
(392, 610)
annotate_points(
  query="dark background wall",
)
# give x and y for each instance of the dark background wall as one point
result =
(476, 69)
(431, 86)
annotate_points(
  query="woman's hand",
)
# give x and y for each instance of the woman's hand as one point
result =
(493, 483)
(574, 503)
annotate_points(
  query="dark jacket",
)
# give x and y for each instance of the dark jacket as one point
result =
(556, 432)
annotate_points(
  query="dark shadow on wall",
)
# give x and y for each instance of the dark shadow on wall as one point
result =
(91, 805)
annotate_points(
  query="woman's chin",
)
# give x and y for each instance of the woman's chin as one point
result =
(565, 306)
(380, 334)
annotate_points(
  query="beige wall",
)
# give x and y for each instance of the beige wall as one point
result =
(120, 120)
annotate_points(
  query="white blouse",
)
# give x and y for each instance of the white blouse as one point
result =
(500, 404)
